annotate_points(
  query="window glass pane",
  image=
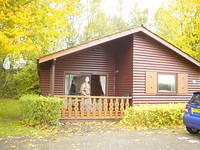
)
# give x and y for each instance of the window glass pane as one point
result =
(73, 83)
(166, 83)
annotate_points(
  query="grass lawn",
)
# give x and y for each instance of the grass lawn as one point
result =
(9, 120)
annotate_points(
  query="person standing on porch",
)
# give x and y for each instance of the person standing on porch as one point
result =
(85, 90)
(85, 87)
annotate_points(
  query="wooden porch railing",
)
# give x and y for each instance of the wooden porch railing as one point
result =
(93, 107)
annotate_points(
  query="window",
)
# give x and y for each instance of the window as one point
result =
(73, 84)
(166, 82)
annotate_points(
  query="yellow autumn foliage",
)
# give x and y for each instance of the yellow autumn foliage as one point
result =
(32, 26)
(178, 22)
(154, 116)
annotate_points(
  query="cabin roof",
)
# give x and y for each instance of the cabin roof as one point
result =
(116, 36)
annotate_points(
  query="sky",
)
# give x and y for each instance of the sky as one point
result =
(110, 5)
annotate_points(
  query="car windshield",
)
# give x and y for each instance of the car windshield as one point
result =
(195, 99)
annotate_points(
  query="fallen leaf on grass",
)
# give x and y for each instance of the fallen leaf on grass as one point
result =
(31, 145)
(12, 146)
(175, 131)
(137, 141)
(148, 133)
(40, 137)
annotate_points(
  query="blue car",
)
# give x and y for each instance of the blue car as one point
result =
(191, 117)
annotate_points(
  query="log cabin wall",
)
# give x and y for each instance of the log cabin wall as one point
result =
(151, 56)
(44, 73)
(98, 59)
(124, 67)
(113, 59)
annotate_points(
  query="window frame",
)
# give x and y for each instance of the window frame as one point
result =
(89, 75)
(106, 74)
(166, 92)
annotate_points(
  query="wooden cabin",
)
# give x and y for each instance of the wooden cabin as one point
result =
(131, 67)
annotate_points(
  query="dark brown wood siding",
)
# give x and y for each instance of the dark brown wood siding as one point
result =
(124, 67)
(99, 59)
(45, 69)
(149, 55)
(113, 59)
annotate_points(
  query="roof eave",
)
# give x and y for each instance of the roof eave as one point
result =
(89, 44)
(116, 36)
(171, 46)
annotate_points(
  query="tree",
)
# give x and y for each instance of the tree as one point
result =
(99, 24)
(28, 29)
(94, 19)
(98, 27)
(179, 23)
(138, 16)
(129, 18)
(32, 26)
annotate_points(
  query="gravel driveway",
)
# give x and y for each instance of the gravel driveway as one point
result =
(104, 136)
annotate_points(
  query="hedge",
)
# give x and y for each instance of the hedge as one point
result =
(40, 110)
(154, 116)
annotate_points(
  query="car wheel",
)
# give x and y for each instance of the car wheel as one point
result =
(192, 130)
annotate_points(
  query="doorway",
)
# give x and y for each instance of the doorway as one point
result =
(97, 83)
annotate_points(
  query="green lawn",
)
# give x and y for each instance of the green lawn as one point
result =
(9, 120)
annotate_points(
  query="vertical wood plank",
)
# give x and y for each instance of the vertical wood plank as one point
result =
(116, 107)
(76, 107)
(87, 107)
(70, 107)
(99, 108)
(63, 110)
(82, 107)
(94, 108)
(122, 107)
(111, 107)
(105, 107)
(127, 103)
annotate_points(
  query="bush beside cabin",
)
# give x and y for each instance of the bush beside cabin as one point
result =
(154, 116)
(40, 110)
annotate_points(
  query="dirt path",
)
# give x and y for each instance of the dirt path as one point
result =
(104, 136)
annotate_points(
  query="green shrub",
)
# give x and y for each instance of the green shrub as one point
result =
(20, 81)
(40, 110)
(154, 116)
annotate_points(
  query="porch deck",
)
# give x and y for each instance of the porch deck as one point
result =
(100, 107)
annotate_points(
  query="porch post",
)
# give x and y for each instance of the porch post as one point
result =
(53, 77)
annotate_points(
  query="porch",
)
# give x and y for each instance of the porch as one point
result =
(101, 107)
